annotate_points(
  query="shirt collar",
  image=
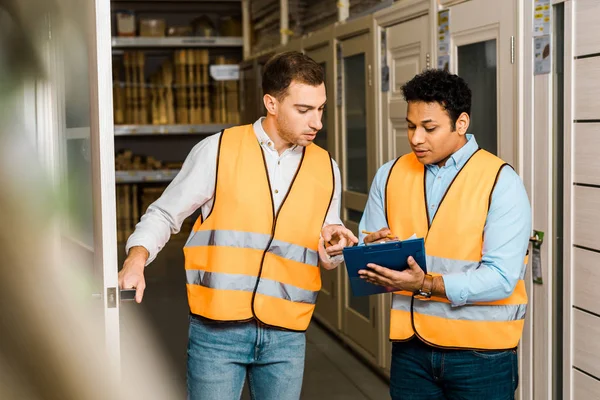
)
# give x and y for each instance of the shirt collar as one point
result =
(260, 133)
(462, 155)
(264, 139)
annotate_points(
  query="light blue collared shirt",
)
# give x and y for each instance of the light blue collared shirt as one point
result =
(505, 235)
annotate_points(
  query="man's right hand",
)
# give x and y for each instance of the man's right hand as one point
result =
(132, 274)
(381, 236)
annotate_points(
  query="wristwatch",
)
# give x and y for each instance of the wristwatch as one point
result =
(425, 291)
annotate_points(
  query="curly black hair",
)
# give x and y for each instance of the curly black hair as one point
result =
(439, 86)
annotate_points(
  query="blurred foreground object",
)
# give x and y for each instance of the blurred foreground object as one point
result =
(52, 330)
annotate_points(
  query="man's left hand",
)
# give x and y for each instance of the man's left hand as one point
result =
(411, 279)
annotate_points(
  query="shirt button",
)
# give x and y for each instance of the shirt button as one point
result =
(270, 144)
(439, 177)
(278, 162)
(433, 206)
(276, 191)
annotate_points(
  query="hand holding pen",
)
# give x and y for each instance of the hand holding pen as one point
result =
(381, 236)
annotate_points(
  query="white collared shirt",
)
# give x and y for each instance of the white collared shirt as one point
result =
(194, 187)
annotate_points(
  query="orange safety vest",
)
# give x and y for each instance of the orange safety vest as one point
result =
(453, 243)
(245, 261)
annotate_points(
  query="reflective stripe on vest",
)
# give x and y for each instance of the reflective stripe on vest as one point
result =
(479, 312)
(453, 242)
(216, 280)
(244, 260)
(256, 241)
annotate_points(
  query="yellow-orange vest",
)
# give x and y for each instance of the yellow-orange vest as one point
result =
(453, 243)
(245, 261)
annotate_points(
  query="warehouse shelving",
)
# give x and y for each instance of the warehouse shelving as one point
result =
(177, 129)
(175, 42)
(141, 176)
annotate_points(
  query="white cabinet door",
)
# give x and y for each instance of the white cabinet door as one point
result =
(407, 51)
(481, 33)
(79, 61)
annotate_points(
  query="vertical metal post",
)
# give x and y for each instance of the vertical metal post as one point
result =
(246, 28)
(285, 21)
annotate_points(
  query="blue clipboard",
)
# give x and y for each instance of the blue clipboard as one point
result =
(392, 255)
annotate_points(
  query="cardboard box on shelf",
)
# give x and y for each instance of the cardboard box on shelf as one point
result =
(152, 27)
(125, 23)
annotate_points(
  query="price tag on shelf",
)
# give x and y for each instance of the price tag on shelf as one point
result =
(225, 72)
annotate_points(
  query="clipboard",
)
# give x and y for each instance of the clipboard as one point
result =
(392, 255)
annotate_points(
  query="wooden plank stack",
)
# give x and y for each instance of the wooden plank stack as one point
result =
(130, 97)
(118, 95)
(181, 87)
(226, 101)
(181, 91)
(192, 87)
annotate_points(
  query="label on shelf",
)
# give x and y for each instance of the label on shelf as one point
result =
(225, 72)
(174, 41)
(139, 176)
(208, 129)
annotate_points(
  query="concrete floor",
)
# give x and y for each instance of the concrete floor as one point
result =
(331, 371)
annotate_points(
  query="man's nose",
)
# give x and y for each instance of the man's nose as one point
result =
(316, 123)
(418, 136)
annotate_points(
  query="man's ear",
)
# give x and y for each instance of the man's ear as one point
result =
(271, 104)
(462, 123)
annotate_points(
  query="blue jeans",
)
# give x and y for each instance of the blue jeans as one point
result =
(222, 354)
(422, 372)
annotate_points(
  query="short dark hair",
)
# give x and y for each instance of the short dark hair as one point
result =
(283, 68)
(439, 86)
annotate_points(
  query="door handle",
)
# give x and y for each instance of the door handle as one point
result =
(111, 295)
(536, 266)
(537, 239)
(127, 295)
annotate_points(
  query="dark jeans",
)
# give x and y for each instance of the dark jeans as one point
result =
(422, 372)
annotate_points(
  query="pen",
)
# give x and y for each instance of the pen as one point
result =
(387, 236)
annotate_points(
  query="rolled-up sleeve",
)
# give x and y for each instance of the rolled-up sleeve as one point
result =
(333, 213)
(193, 186)
(506, 237)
